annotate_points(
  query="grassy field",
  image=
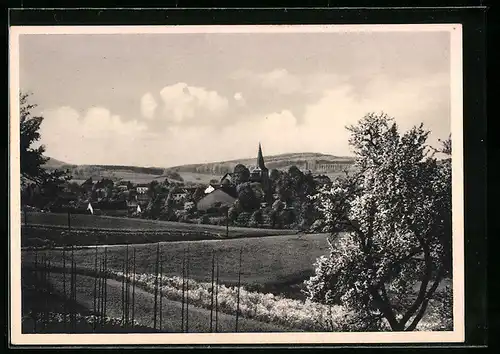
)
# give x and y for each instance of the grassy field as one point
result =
(276, 264)
(108, 222)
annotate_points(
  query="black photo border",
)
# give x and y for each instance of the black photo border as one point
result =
(473, 20)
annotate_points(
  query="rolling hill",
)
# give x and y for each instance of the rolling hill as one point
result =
(201, 173)
(282, 161)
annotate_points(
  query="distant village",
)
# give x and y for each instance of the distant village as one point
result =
(248, 196)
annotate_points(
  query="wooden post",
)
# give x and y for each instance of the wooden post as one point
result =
(127, 288)
(99, 292)
(101, 295)
(64, 284)
(69, 224)
(46, 311)
(161, 295)
(212, 292)
(35, 312)
(187, 290)
(156, 285)
(133, 289)
(217, 298)
(105, 271)
(95, 286)
(123, 291)
(72, 295)
(238, 296)
(227, 222)
(183, 289)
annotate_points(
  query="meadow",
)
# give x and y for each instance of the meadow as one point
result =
(87, 221)
(276, 264)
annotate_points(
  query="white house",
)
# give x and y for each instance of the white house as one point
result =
(142, 188)
(209, 189)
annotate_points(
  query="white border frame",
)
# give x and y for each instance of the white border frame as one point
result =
(457, 335)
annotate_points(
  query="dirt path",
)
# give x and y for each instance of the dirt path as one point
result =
(198, 319)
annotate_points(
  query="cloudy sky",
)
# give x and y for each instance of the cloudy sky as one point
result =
(171, 99)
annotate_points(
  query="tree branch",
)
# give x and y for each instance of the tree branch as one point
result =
(425, 303)
(386, 309)
(423, 288)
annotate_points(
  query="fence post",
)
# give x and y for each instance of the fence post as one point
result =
(95, 287)
(123, 292)
(227, 222)
(161, 294)
(239, 286)
(156, 284)
(69, 224)
(183, 288)
(101, 292)
(217, 298)
(127, 288)
(65, 298)
(187, 290)
(212, 292)
(105, 309)
(46, 311)
(133, 289)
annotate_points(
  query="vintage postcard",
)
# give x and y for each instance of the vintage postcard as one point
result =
(236, 184)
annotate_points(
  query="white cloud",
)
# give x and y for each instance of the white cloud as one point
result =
(279, 80)
(322, 127)
(148, 105)
(96, 137)
(238, 97)
(100, 137)
(183, 102)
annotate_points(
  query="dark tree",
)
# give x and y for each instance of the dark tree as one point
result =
(241, 174)
(247, 198)
(198, 194)
(32, 159)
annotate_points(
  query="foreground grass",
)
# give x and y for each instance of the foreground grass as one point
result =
(44, 310)
(276, 264)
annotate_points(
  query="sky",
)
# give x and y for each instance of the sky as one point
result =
(171, 99)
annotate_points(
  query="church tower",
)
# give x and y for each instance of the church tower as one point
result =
(260, 159)
(260, 173)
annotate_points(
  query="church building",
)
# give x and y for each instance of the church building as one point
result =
(260, 173)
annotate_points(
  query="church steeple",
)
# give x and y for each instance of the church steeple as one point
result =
(260, 159)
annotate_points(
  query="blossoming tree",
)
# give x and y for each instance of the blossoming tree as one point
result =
(390, 225)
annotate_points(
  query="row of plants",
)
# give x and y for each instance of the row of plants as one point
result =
(269, 308)
(296, 314)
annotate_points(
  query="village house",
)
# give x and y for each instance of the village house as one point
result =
(122, 188)
(179, 195)
(227, 178)
(222, 196)
(88, 185)
(142, 198)
(142, 188)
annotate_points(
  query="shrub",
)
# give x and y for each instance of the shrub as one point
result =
(243, 218)
(205, 219)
